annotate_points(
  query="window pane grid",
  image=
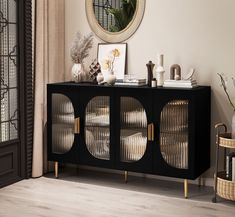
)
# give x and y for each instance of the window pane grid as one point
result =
(100, 6)
(8, 71)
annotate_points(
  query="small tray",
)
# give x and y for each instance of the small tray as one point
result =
(225, 140)
(225, 187)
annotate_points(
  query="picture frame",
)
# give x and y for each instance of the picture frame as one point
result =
(113, 58)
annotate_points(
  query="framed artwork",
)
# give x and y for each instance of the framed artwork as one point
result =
(112, 58)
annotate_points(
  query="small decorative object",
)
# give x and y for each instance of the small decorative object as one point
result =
(95, 69)
(175, 72)
(189, 75)
(112, 58)
(224, 82)
(78, 52)
(160, 71)
(150, 67)
(154, 83)
(100, 78)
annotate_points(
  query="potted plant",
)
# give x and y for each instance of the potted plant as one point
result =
(79, 51)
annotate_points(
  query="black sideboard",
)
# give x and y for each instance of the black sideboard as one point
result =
(162, 131)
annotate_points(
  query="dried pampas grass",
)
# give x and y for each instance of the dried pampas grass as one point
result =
(80, 47)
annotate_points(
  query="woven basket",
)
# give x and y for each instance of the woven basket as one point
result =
(225, 188)
(226, 141)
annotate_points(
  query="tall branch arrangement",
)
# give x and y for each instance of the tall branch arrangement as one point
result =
(80, 47)
(223, 83)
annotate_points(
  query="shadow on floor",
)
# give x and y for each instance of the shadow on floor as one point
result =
(136, 183)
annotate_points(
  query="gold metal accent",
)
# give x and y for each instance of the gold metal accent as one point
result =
(77, 125)
(152, 130)
(126, 176)
(149, 132)
(56, 169)
(186, 188)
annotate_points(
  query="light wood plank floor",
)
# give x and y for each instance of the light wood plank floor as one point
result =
(89, 194)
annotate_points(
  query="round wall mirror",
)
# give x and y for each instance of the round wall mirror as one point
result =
(114, 20)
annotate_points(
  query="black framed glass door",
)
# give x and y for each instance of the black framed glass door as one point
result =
(16, 106)
(9, 94)
(9, 71)
(172, 153)
(97, 126)
(134, 129)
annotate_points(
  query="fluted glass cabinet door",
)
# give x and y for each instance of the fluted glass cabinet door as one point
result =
(97, 127)
(133, 131)
(174, 133)
(63, 124)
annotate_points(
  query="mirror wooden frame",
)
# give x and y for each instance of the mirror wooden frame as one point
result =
(114, 37)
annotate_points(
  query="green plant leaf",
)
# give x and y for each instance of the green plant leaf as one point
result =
(122, 16)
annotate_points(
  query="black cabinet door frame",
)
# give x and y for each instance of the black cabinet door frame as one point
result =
(160, 166)
(84, 97)
(143, 95)
(71, 93)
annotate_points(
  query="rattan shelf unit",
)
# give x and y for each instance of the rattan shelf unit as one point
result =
(224, 187)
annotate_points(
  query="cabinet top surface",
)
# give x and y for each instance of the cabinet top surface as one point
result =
(73, 84)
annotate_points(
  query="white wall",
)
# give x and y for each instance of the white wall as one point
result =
(192, 33)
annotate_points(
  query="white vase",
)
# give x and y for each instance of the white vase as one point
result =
(77, 72)
(160, 76)
(110, 78)
(160, 71)
(233, 125)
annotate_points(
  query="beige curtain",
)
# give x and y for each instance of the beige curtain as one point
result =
(49, 68)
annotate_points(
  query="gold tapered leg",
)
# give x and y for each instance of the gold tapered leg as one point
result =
(186, 188)
(56, 169)
(126, 176)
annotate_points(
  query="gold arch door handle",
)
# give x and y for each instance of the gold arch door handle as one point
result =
(77, 125)
(151, 132)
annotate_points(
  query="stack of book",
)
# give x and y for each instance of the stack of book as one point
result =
(130, 82)
(180, 83)
(230, 166)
